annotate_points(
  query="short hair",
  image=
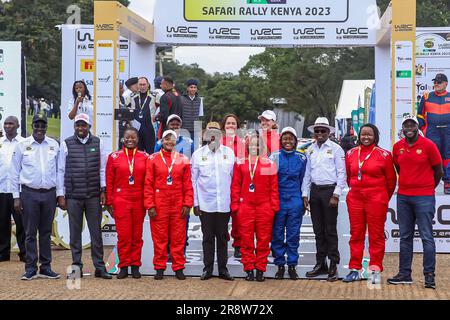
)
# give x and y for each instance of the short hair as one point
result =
(131, 129)
(168, 79)
(262, 148)
(376, 133)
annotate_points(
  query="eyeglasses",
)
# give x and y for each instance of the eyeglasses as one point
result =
(321, 131)
(39, 125)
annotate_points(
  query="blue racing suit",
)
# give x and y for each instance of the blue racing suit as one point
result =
(434, 120)
(286, 229)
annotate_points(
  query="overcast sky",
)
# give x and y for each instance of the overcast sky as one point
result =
(211, 59)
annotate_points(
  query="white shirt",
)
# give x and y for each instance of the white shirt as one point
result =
(63, 152)
(326, 165)
(6, 151)
(86, 106)
(212, 173)
(34, 165)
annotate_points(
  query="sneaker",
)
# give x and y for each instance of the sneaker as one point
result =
(48, 274)
(352, 276)
(399, 279)
(429, 281)
(375, 277)
(29, 275)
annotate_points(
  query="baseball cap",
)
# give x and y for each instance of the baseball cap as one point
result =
(269, 115)
(173, 116)
(289, 130)
(39, 117)
(131, 81)
(440, 77)
(407, 117)
(167, 132)
(82, 117)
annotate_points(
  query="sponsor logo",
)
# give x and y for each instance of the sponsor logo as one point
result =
(104, 97)
(266, 34)
(104, 45)
(403, 74)
(102, 135)
(419, 151)
(421, 87)
(105, 79)
(85, 47)
(428, 44)
(85, 36)
(104, 27)
(266, 1)
(403, 27)
(404, 60)
(308, 33)
(352, 33)
(182, 32)
(224, 33)
(87, 65)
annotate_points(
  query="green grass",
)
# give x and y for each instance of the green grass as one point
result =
(53, 130)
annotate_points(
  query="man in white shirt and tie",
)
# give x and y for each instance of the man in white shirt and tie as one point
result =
(324, 181)
(7, 145)
(212, 172)
(33, 169)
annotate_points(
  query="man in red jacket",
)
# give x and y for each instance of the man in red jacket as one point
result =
(169, 197)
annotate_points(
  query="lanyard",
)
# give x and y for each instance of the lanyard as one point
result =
(360, 164)
(164, 160)
(130, 164)
(141, 106)
(252, 172)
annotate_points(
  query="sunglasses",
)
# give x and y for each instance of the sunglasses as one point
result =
(321, 131)
(39, 125)
(438, 82)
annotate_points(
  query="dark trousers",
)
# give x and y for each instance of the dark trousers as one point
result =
(91, 208)
(418, 210)
(324, 221)
(215, 231)
(6, 210)
(38, 214)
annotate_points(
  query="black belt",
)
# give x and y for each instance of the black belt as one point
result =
(39, 190)
(323, 186)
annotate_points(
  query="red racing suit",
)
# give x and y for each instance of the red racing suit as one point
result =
(128, 204)
(272, 141)
(368, 201)
(256, 210)
(240, 151)
(168, 201)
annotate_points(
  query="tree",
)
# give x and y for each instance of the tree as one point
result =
(33, 23)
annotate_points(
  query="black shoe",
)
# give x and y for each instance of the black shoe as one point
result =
(102, 274)
(135, 272)
(159, 275)
(280, 273)
(250, 276)
(319, 269)
(180, 275)
(429, 281)
(226, 276)
(123, 273)
(292, 273)
(260, 276)
(400, 279)
(237, 253)
(332, 272)
(206, 275)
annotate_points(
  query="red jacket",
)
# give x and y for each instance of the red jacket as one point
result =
(237, 144)
(272, 140)
(118, 174)
(157, 193)
(265, 182)
(377, 171)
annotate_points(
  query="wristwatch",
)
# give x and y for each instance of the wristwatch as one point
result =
(103, 189)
